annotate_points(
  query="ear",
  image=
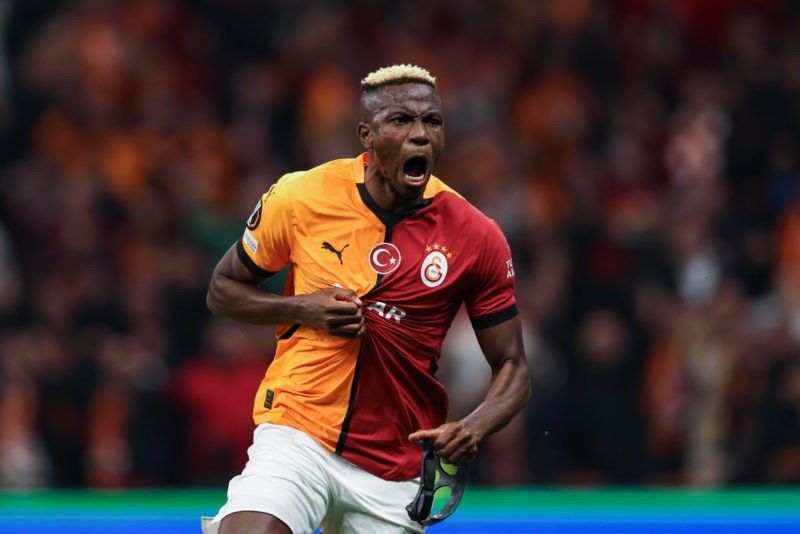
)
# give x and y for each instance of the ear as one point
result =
(365, 135)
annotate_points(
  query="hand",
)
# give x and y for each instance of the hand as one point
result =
(334, 310)
(453, 442)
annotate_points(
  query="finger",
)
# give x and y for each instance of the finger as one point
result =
(348, 329)
(461, 456)
(344, 312)
(345, 318)
(449, 442)
(341, 307)
(350, 296)
(457, 455)
(419, 435)
(347, 334)
(454, 459)
(344, 321)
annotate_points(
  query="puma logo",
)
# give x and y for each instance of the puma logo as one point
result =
(328, 246)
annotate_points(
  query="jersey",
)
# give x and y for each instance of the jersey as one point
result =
(413, 270)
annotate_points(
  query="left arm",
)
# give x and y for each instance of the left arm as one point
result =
(510, 386)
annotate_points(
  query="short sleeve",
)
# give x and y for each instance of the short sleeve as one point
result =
(491, 299)
(265, 246)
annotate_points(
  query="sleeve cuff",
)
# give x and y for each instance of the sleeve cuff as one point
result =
(495, 318)
(249, 263)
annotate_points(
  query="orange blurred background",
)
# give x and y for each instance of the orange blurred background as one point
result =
(641, 157)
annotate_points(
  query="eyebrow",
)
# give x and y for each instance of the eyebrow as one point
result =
(394, 107)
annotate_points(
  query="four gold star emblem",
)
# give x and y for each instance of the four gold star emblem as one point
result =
(441, 248)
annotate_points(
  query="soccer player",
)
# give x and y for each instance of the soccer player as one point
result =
(382, 254)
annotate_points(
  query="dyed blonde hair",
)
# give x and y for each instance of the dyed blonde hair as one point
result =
(397, 74)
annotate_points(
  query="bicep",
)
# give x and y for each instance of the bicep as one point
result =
(230, 266)
(501, 343)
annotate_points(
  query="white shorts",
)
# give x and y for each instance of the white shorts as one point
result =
(294, 478)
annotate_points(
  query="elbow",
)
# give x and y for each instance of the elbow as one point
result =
(210, 303)
(212, 300)
(525, 394)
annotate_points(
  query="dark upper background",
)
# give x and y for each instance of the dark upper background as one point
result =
(641, 157)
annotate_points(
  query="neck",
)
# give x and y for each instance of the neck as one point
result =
(384, 193)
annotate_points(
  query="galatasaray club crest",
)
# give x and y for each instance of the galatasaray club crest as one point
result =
(434, 266)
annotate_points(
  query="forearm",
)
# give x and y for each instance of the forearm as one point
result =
(246, 303)
(509, 390)
(457, 441)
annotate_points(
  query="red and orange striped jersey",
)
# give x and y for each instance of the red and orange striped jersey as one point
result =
(413, 270)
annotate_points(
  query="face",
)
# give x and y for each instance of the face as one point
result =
(405, 133)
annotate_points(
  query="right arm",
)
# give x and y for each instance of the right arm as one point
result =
(234, 294)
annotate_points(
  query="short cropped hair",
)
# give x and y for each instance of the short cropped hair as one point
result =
(395, 75)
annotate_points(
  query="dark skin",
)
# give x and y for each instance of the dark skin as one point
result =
(399, 123)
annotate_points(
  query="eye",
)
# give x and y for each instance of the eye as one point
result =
(434, 120)
(400, 119)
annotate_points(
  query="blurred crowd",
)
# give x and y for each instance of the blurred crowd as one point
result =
(640, 155)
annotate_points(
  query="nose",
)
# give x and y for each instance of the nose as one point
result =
(418, 134)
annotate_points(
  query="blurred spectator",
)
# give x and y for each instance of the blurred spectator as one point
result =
(604, 425)
(10, 276)
(781, 432)
(214, 396)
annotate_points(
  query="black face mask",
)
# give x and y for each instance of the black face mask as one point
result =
(419, 509)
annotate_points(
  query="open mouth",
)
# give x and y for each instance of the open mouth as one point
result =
(415, 169)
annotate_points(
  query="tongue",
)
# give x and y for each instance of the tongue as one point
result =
(415, 167)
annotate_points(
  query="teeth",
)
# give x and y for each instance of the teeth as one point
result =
(415, 178)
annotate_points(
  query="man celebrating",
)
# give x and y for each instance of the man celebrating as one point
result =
(382, 254)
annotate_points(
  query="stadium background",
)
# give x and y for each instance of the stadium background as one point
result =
(641, 157)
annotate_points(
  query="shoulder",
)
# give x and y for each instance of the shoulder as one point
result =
(311, 189)
(436, 186)
(456, 208)
(339, 169)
